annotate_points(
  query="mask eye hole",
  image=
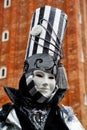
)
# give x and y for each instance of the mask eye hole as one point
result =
(39, 75)
(51, 77)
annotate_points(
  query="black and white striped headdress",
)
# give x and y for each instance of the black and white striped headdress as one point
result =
(44, 50)
(47, 32)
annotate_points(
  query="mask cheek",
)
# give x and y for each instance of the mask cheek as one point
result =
(37, 82)
(52, 85)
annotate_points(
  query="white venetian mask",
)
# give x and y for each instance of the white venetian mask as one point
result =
(44, 82)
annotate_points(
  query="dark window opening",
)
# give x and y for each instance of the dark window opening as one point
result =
(7, 2)
(3, 72)
(5, 36)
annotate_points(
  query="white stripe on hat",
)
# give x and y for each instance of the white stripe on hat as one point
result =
(32, 41)
(36, 44)
(55, 28)
(46, 16)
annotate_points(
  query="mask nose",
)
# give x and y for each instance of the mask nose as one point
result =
(46, 82)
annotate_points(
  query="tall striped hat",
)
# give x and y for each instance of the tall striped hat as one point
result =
(47, 32)
(44, 49)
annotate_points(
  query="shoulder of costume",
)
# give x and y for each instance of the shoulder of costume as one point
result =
(4, 111)
(8, 118)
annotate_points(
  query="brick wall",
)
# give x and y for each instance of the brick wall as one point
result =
(16, 19)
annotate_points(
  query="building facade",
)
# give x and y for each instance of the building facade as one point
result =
(15, 18)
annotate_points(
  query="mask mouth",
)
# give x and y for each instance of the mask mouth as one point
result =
(44, 93)
(42, 89)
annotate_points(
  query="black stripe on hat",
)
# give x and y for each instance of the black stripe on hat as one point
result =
(60, 29)
(48, 37)
(36, 38)
(60, 26)
(29, 44)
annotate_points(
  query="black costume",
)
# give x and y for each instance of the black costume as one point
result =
(54, 120)
(30, 109)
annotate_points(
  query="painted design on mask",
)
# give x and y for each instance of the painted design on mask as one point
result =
(44, 82)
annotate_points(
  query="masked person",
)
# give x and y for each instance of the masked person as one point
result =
(43, 83)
